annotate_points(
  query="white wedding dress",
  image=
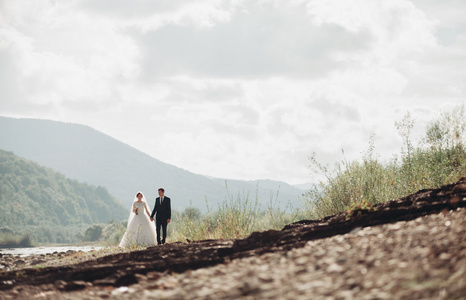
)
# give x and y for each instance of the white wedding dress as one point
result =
(140, 230)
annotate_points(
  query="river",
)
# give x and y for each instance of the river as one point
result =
(44, 250)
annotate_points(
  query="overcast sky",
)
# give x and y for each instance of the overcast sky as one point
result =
(236, 89)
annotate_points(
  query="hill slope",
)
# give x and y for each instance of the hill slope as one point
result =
(85, 154)
(35, 198)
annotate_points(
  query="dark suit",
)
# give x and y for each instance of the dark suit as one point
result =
(162, 212)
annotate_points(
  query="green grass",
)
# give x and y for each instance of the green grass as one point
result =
(438, 160)
(236, 217)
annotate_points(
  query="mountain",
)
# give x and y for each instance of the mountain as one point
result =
(305, 186)
(37, 199)
(85, 154)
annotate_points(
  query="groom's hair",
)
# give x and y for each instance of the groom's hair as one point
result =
(162, 190)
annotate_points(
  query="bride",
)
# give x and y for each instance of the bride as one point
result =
(140, 229)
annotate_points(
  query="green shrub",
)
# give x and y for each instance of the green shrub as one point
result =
(113, 232)
(10, 239)
(93, 233)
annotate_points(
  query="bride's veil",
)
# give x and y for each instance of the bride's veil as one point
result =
(131, 213)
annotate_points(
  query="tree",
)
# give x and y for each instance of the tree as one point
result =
(93, 233)
(191, 213)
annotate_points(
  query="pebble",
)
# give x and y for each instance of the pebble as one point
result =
(371, 267)
(420, 259)
(12, 262)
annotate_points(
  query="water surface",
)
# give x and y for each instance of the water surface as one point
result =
(45, 250)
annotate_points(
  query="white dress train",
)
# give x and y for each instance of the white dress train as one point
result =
(140, 230)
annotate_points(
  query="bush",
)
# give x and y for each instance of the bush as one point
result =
(25, 241)
(191, 213)
(11, 239)
(113, 232)
(93, 233)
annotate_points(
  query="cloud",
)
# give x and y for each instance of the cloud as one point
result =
(62, 57)
(235, 89)
(146, 15)
(256, 41)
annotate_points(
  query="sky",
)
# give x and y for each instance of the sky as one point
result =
(241, 89)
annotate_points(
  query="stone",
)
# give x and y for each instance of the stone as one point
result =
(103, 294)
(444, 256)
(105, 282)
(75, 285)
(125, 280)
(37, 262)
(19, 262)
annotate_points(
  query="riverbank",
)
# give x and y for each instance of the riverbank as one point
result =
(410, 248)
(46, 249)
(12, 259)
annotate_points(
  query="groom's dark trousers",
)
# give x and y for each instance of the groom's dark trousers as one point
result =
(162, 211)
(159, 224)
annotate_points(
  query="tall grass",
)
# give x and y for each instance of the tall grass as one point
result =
(236, 217)
(439, 159)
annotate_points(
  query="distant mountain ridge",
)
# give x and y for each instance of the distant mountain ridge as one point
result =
(88, 155)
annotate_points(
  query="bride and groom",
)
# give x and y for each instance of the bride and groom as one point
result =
(140, 229)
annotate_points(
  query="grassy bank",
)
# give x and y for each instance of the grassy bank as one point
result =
(439, 159)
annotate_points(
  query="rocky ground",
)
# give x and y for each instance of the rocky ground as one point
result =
(411, 248)
(10, 262)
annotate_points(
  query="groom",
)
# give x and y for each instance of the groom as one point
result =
(163, 210)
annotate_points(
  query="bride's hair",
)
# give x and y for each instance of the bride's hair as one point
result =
(138, 194)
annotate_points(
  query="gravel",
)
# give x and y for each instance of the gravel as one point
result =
(420, 259)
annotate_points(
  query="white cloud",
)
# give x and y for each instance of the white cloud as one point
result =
(235, 89)
(67, 57)
(147, 15)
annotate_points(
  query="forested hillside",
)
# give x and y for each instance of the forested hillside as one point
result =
(46, 204)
